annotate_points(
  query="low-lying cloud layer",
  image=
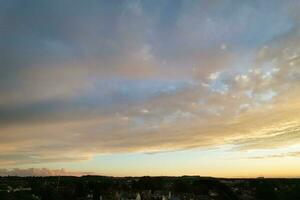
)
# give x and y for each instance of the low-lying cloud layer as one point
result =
(40, 172)
(80, 79)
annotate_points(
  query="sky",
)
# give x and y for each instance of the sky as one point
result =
(141, 87)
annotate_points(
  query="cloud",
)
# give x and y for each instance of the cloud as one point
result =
(40, 172)
(102, 78)
(283, 155)
(278, 135)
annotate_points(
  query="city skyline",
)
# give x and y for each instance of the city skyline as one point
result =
(134, 88)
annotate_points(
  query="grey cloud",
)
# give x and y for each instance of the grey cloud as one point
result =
(40, 172)
(42, 37)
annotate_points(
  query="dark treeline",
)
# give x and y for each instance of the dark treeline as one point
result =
(100, 187)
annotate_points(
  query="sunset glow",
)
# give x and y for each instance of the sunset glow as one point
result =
(134, 88)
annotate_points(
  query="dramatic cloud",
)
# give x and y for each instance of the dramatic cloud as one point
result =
(79, 79)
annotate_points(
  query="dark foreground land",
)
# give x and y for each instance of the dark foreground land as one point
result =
(147, 188)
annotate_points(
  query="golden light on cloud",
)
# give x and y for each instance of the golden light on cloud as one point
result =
(126, 80)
